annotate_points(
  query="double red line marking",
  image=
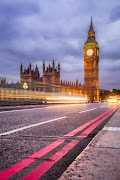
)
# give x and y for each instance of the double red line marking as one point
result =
(86, 132)
(72, 133)
(46, 165)
(26, 162)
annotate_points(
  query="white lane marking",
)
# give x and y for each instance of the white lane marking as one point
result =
(1, 112)
(102, 106)
(111, 128)
(87, 110)
(30, 126)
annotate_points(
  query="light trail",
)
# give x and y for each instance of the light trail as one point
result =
(31, 109)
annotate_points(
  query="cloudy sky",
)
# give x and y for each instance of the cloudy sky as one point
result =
(37, 30)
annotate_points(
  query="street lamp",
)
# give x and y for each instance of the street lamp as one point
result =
(25, 86)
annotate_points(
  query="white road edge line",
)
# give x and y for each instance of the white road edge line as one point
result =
(87, 110)
(30, 126)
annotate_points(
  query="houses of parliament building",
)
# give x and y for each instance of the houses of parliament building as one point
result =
(50, 81)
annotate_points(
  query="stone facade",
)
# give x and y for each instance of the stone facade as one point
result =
(50, 82)
(2, 80)
(72, 87)
(51, 74)
(29, 75)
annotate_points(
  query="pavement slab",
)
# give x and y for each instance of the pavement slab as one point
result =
(101, 158)
(95, 164)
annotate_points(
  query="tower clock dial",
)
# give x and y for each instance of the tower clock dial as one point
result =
(89, 52)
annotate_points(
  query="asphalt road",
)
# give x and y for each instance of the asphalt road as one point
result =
(28, 129)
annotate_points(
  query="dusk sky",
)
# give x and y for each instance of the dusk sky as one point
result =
(37, 30)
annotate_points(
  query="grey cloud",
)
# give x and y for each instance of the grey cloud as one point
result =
(113, 55)
(115, 13)
(33, 31)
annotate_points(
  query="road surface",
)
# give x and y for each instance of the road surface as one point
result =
(40, 142)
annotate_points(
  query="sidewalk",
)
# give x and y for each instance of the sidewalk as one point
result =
(100, 160)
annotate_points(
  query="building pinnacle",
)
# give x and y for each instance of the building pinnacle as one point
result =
(91, 26)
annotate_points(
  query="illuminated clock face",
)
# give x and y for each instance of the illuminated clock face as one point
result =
(89, 52)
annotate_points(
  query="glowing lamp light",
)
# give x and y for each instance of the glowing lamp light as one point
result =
(25, 86)
(112, 100)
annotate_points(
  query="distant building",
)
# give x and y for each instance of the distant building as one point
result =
(50, 82)
(70, 87)
(2, 80)
(116, 91)
(51, 74)
(29, 75)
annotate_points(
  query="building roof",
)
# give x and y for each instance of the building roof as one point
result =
(91, 40)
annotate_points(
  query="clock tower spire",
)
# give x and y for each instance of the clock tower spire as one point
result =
(91, 34)
(91, 26)
(91, 60)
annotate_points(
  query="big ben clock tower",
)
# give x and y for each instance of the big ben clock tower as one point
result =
(91, 59)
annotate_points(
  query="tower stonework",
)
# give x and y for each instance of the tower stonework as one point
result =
(91, 60)
(51, 74)
(29, 75)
